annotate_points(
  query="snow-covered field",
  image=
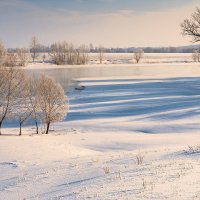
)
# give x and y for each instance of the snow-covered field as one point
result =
(117, 58)
(128, 58)
(124, 138)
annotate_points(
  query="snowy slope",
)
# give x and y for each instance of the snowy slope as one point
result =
(93, 153)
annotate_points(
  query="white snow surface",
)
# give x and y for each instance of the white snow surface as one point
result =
(93, 153)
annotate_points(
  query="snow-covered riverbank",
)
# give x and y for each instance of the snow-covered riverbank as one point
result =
(111, 125)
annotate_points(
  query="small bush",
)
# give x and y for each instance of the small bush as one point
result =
(139, 159)
(192, 149)
(106, 170)
(144, 183)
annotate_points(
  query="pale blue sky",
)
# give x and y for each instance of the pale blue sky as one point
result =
(107, 22)
(109, 5)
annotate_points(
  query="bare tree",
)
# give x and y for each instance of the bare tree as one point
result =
(10, 91)
(43, 57)
(191, 27)
(22, 110)
(70, 56)
(3, 79)
(34, 48)
(196, 55)
(2, 53)
(138, 55)
(32, 93)
(10, 60)
(51, 101)
(101, 51)
(84, 54)
(60, 53)
(81, 55)
(22, 55)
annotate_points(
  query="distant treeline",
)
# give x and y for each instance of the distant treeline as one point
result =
(152, 50)
(186, 49)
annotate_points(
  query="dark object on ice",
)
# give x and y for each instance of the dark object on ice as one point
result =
(80, 88)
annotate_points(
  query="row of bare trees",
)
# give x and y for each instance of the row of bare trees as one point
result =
(65, 53)
(60, 53)
(19, 58)
(22, 98)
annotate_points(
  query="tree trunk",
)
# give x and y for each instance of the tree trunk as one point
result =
(36, 125)
(33, 56)
(0, 127)
(20, 129)
(47, 130)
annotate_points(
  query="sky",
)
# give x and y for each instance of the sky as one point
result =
(111, 23)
